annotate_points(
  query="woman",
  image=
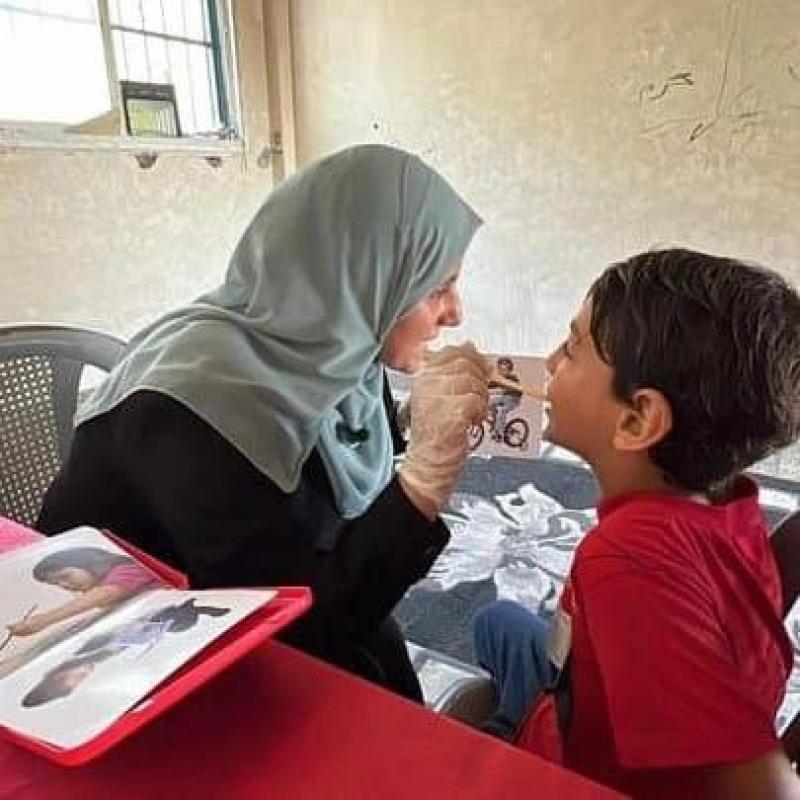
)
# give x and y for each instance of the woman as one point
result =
(244, 439)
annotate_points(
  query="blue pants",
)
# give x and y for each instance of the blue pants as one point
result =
(511, 644)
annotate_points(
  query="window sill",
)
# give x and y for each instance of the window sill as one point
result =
(21, 140)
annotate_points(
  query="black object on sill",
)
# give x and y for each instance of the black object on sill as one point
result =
(150, 109)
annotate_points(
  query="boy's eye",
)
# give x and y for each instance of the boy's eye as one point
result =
(566, 349)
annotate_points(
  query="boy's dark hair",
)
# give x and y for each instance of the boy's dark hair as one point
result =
(720, 340)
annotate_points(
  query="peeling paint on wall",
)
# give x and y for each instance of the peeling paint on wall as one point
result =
(582, 131)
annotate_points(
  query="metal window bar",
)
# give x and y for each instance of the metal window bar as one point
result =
(158, 35)
(42, 15)
(187, 58)
(219, 68)
(108, 49)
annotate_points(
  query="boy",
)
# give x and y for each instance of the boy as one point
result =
(667, 658)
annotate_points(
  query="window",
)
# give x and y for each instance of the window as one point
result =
(52, 67)
(61, 60)
(173, 41)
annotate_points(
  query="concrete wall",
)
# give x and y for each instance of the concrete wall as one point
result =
(90, 237)
(582, 130)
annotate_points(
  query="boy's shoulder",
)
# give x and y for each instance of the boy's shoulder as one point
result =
(664, 528)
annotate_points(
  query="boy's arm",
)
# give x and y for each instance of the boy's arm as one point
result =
(770, 777)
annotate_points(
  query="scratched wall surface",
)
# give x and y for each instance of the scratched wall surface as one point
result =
(89, 238)
(582, 131)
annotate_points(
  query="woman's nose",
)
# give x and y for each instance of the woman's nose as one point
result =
(452, 314)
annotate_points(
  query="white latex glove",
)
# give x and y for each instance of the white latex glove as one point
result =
(448, 395)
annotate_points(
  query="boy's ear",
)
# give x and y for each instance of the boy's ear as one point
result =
(644, 422)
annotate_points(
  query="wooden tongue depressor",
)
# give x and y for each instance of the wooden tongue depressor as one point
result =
(532, 391)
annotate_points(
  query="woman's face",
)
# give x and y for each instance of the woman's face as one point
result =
(407, 342)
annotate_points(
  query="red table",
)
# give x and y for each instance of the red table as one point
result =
(280, 724)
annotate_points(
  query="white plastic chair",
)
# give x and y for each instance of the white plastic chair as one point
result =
(40, 373)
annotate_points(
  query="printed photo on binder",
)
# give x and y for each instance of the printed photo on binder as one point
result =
(88, 630)
(513, 426)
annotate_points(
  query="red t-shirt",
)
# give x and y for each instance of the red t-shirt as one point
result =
(678, 652)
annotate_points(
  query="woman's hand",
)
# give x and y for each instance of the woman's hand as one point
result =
(448, 395)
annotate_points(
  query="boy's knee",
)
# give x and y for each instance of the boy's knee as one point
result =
(495, 619)
(493, 611)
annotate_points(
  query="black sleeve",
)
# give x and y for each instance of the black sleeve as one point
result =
(386, 550)
(167, 482)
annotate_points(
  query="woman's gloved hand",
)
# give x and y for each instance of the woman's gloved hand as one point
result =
(448, 395)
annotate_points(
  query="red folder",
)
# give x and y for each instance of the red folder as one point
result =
(288, 604)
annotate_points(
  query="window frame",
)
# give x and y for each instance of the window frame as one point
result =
(30, 135)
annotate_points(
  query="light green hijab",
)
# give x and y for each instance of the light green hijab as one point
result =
(284, 355)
